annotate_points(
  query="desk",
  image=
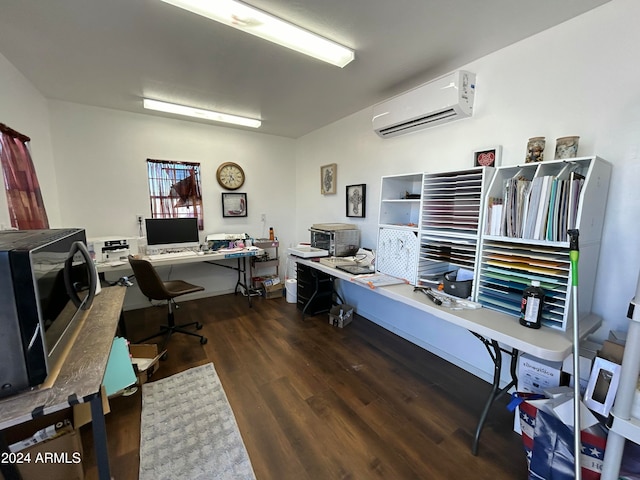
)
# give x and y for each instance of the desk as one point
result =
(212, 258)
(490, 327)
(80, 376)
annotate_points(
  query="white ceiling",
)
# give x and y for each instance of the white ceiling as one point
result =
(111, 53)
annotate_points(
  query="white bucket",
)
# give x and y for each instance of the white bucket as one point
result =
(292, 290)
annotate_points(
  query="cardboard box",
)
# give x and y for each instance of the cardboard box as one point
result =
(611, 351)
(341, 315)
(273, 291)
(56, 459)
(59, 458)
(535, 375)
(145, 359)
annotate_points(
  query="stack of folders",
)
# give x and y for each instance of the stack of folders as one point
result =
(540, 209)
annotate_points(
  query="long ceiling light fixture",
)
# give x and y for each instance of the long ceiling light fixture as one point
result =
(266, 26)
(199, 113)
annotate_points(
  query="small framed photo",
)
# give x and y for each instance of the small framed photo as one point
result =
(328, 174)
(234, 204)
(356, 200)
(487, 157)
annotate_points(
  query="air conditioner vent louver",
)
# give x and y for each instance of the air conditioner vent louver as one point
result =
(443, 100)
(421, 122)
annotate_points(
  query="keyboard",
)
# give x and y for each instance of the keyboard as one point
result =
(171, 255)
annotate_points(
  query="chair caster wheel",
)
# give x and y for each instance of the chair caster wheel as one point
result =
(198, 326)
(203, 340)
(164, 356)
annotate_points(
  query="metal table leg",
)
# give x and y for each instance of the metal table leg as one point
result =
(495, 352)
(100, 437)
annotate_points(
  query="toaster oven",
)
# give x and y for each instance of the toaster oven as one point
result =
(339, 239)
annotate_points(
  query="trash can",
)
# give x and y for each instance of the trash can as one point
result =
(292, 290)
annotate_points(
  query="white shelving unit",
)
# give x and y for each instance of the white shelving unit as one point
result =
(267, 264)
(400, 201)
(398, 225)
(528, 246)
(451, 221)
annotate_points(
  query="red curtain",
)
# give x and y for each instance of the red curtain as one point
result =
(26, 207)
(174, 190)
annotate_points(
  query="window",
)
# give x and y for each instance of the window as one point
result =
(174, 190)
(26, 207)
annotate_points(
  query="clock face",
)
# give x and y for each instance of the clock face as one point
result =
(230, 176)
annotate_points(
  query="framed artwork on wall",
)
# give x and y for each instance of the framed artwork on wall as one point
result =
(328, 175)
(234, 204)
(487, 157)
(356, 200)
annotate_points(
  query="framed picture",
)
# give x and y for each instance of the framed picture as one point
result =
(487, 157)
(356, 200)
(234, 204)
(328, 175)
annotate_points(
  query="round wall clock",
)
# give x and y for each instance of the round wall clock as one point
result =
(230, 176)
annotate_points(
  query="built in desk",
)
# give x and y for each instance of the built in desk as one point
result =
(80, 377)
(500, 333)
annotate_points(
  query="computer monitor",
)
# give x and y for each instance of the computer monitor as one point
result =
(166, 233)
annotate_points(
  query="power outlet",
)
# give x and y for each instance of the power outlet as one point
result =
(139, 219)
(263, 218)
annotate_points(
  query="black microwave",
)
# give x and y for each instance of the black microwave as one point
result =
(47, 280)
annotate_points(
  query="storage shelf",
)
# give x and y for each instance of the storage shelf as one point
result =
(267, 265)
(528, 248)
(451, 221)
(456, 228)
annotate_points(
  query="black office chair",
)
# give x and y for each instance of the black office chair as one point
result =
(154, 288)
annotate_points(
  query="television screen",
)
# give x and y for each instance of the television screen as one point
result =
(172, 232)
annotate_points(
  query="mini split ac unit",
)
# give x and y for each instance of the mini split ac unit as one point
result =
(443, 100)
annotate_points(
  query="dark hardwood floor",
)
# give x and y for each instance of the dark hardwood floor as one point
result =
(313, 401)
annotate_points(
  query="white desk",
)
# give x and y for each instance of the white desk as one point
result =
(212, 258)
(490, 327)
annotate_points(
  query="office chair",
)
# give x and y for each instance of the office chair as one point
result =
(154, 288)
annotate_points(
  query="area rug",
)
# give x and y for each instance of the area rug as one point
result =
(188, 430)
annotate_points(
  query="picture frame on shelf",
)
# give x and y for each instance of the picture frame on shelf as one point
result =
(487, 157)
(328, 181)
(234, 205)
(356, 200)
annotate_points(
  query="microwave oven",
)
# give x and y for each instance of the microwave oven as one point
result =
(339, 239)
(47, 280)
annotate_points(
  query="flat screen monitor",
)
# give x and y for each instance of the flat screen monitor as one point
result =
(172, 232)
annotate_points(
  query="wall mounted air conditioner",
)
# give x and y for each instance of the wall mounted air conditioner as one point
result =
(442, 100)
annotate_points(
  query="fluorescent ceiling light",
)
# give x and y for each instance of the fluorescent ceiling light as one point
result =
(199, 113)
(266, 26)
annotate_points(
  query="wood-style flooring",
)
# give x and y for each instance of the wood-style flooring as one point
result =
(313, 401)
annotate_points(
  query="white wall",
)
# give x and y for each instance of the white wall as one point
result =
(24, 109)
(100, 157)
(580, 78)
